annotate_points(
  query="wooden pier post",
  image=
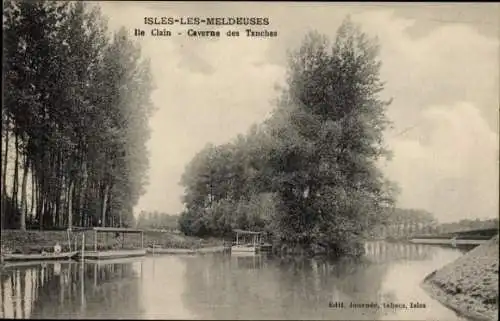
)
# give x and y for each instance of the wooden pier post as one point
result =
(69, 238)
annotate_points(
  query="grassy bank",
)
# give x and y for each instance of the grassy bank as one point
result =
(469, 285)
(36, 241)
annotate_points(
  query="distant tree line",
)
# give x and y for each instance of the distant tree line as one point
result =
(468, 225)
(75, 118)
(309, 173)
(401, 222)
(157, 220)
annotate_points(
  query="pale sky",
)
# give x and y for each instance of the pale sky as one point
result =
(441, 64)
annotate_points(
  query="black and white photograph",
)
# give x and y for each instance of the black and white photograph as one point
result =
(237, 160)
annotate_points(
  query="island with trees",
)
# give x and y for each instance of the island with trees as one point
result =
(308, 175)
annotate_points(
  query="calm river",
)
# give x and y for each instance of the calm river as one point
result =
(230, 287)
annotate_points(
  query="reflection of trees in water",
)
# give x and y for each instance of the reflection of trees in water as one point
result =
(55, 290)
(292, 287)
(357, 280)
(346, 280)
(3, 277)
(114, 292)
(262, 287)
(219, 287)
(13, 286)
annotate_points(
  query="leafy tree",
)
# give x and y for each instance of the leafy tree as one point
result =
(157, 220)
(325, 159)
(77, 105)
(309, 172)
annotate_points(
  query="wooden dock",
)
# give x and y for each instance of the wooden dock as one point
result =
(107, 255)
(110, 254)
(206, 250)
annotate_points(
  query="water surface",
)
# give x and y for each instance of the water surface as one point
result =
(231, 287)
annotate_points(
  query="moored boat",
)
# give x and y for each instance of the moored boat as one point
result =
(42, 263)
(245, 246)
(159, 250)
(204, 250)
(214, 249)
(125, 260)
(112, 254)
(39, 256)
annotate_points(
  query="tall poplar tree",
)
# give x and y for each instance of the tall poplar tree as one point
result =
(75, 121)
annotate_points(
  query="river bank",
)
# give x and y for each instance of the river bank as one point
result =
(34, 241)
(469, 285)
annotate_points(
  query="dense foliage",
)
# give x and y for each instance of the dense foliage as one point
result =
(309, 173)
(75, 117)
(157, 220)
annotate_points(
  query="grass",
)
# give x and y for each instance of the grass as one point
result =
(469, 284)
(33, 241)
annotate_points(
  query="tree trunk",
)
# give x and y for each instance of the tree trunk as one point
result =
(4, 170)
(43, 190)
(83, 189)
(33, 185)
(59, 190)
(63, 208)
(24, 204)
(103, 204)
(110, 213)
(42, 210)
(70, 205)
(38, 201)
(14, 206)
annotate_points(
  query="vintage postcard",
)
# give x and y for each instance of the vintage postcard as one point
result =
(250, 160)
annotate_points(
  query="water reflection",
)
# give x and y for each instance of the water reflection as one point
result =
(70, 290)
(269, 288)
(296, 288)
(163, 283)
(229, 287)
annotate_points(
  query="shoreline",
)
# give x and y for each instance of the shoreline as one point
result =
(469, 285)
(442, 297)
(34, 241)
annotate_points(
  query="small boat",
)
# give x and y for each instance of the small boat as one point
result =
(203, 250)
(18, 264)
(116, 261)
(247, 247)
(159, 250)
(116, 254)
(244, 248)
(214, 249)
(39, 256)
(44, 256)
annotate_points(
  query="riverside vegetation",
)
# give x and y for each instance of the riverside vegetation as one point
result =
(308, 174)
(75, 118)
(75, 126)
(17, 241)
